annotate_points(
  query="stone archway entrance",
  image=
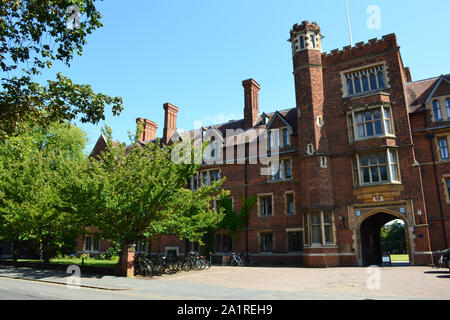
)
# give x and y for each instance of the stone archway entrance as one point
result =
(370, 238)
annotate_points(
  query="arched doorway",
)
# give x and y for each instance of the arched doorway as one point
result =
(370, 237)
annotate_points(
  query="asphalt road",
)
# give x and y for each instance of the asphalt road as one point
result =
(228, 283)
(12, 289)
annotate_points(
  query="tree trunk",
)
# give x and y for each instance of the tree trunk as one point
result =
(46, 251)
(119, 264)
(16, 250)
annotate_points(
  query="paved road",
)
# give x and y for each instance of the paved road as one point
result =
(228, 283)
(14, 289)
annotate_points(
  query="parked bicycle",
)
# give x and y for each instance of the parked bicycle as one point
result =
(236, 260)
(444, 259)
(157, 265)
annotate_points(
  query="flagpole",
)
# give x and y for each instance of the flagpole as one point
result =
(348, 21)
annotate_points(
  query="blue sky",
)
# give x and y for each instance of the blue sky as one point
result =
(196, 53)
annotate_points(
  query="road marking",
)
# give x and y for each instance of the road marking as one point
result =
(4, 288)
(46, 294)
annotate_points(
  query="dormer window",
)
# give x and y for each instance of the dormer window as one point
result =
(365, 80)
(264, 119)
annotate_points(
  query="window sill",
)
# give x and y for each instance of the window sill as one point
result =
(374, 137)
(321, 246)
(278, 181)
(368, 93)
(378, 184)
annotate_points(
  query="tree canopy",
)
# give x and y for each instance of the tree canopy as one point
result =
(137, 192)
(393, 237)
(33, 35)
(37, 171)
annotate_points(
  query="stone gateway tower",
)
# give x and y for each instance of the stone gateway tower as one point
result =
(356, 153)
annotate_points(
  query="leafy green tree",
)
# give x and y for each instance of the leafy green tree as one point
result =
(37, 171)
(140, 192)
(393, 237)
(33, 35)
(232, 221)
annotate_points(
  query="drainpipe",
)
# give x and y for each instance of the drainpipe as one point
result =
(430, 138)
(246, 198)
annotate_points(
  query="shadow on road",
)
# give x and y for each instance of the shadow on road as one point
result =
(40, 274)
(437, 272)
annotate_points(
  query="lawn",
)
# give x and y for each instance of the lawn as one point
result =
(77, 261)
(399, 258)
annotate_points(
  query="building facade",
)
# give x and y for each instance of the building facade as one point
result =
(364, 145)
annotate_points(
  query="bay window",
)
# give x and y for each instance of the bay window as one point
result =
(376, 168)
(374, 122)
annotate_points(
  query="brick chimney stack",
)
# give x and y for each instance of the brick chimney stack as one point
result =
(251, 98)
(149, 132)
(170, 121)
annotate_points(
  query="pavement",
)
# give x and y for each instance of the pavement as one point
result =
(93, 281)
(260, 283)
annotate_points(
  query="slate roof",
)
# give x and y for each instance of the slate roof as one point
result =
(418, 92)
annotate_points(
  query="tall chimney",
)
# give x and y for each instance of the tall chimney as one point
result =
(251, 97)
(170, 121)
(149, 132)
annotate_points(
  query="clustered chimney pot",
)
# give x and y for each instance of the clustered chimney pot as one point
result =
(149, 130)
(170, 121)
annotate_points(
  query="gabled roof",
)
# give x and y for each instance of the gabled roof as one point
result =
(436, 86)
(100, 146)
(278, 115)
(419, 93)
(288, 116)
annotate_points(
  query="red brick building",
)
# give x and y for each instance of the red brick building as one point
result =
(364, 145)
